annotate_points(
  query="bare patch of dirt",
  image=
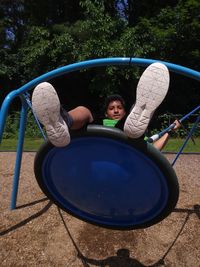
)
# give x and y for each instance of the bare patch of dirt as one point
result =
(34, 234)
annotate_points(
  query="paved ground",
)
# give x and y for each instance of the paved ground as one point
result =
(37, 234)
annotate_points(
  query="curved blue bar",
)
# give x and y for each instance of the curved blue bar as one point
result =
(73, 67)
(84, 65)
(106, 62)
(172, 67)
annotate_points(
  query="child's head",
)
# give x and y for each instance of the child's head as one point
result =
(115, 107)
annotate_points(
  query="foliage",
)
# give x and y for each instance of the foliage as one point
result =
(163, 121)
(63, 32)
(12, 126)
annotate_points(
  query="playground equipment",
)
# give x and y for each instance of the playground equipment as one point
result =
(102, 177)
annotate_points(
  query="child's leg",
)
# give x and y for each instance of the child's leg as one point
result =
(151, 90)
(80, 116)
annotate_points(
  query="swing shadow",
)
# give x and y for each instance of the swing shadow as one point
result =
(32, 203)
(32, 217)
(122, 257)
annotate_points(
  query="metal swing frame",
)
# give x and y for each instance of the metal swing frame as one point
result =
(22, 93)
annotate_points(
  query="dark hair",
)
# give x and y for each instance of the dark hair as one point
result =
(111, 98)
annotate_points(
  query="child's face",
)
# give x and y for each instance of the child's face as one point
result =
(115, 110)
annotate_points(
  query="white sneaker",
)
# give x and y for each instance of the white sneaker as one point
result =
(46, 105)
(151, 90)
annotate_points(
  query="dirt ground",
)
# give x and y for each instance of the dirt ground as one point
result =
(37, 233)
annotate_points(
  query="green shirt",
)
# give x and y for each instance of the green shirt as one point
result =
(110, 122)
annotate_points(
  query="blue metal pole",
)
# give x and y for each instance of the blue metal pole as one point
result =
(172, 67)
(34, 115)
(190, 113)
(187, 139)
(155, 137)
(23, 118)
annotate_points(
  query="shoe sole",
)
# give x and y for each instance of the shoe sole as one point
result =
(151, 90)
(46, 105)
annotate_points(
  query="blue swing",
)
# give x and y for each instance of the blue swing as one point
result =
(107, 179)
(102, 176)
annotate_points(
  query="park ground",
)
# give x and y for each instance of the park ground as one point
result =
(37, 233)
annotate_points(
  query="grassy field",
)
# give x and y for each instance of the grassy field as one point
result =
(31, 144)
(174, 145)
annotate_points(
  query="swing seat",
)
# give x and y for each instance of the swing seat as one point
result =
(105, 178)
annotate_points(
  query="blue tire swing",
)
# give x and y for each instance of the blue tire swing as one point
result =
(105, 178)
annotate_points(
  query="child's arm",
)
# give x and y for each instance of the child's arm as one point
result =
(161, 142)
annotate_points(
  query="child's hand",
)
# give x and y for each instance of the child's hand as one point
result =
(177, 125)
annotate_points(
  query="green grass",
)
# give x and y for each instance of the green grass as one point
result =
(30, 144)
(33, 144)
(174, 144)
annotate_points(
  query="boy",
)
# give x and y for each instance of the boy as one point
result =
(151, 90)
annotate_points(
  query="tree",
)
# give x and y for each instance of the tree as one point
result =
(32, 42)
